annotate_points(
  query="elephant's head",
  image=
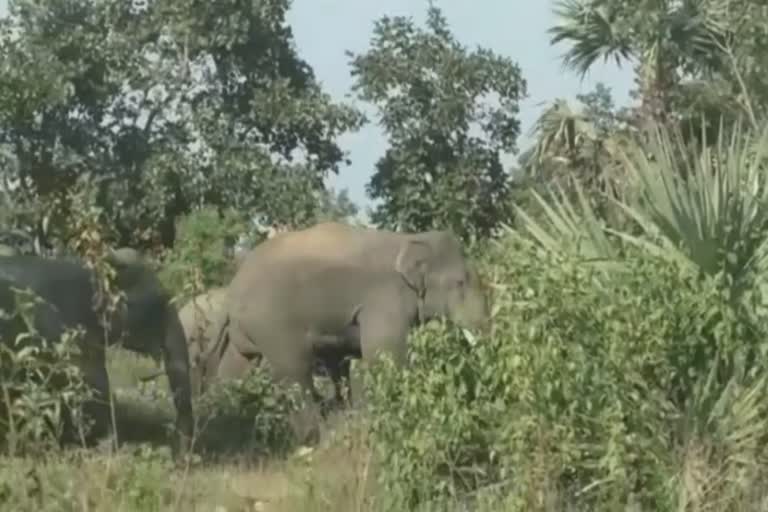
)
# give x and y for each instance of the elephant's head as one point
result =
(434, 264)
(150, 325)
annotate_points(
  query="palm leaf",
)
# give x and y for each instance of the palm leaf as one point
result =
(708, 210)
(592, 32)
(568, 227)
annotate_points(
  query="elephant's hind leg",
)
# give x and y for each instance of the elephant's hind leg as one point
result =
(288, 363)
(233, 364)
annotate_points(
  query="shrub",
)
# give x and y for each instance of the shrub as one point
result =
(248, 415)
(589, 390)
(200, 258)
(42, 390)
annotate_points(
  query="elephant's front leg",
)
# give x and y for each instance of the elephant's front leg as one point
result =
(290, 359)
(293, 366)
(98, 410)
(383, 331)
(337, 364)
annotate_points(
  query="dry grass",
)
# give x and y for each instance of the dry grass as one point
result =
(141, 477)
(334, 475)
(326, 479)
(337, 475)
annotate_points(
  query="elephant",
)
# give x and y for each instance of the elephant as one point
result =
(340, 290)
(196, 316)
(145, 322)
(199, 314)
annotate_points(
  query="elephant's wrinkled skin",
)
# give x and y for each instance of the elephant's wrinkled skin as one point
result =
(196, 318)
(199, 314)
(343, 289)
(146, 323)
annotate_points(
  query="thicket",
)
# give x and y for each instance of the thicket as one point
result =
(624, 368)
(587, 393)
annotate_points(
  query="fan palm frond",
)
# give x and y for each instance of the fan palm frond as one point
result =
(593, 33)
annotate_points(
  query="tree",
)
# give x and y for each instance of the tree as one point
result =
(162, 109)
(581, 145)
(666, 39)
(692, 58)
(577, 140)
(448, 113)
(336, 206)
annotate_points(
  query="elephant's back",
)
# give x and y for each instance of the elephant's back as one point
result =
(324, 243)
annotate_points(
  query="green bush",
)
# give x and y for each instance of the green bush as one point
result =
(249, 415)
(201, 257)
(42, 390)
(589, 391)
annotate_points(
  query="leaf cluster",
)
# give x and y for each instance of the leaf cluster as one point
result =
(448, 113)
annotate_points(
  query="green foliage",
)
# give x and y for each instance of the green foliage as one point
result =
(665, 38)
(695, 61)
(585, 390)
(581, 143)
(700, 205)
(715, 218)
(250, 415)
(165, 107)
(138, 482)
(202, 257)
(448, 112)
(42, 390)
(336, 206)
(141, 480)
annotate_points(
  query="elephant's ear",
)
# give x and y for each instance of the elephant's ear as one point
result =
(413, 262)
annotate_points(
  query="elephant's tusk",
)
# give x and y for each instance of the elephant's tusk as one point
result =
(469, 337)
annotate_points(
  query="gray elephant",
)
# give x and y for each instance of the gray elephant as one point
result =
(196, 317)
(146, 323)
(340, 290)
(199, 314)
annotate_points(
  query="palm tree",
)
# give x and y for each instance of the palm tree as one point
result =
(663, 38)
(574, 143)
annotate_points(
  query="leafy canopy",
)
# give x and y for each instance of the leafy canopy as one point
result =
(163, 108)
(448, 113)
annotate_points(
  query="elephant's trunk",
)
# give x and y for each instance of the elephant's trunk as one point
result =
(176, 360)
